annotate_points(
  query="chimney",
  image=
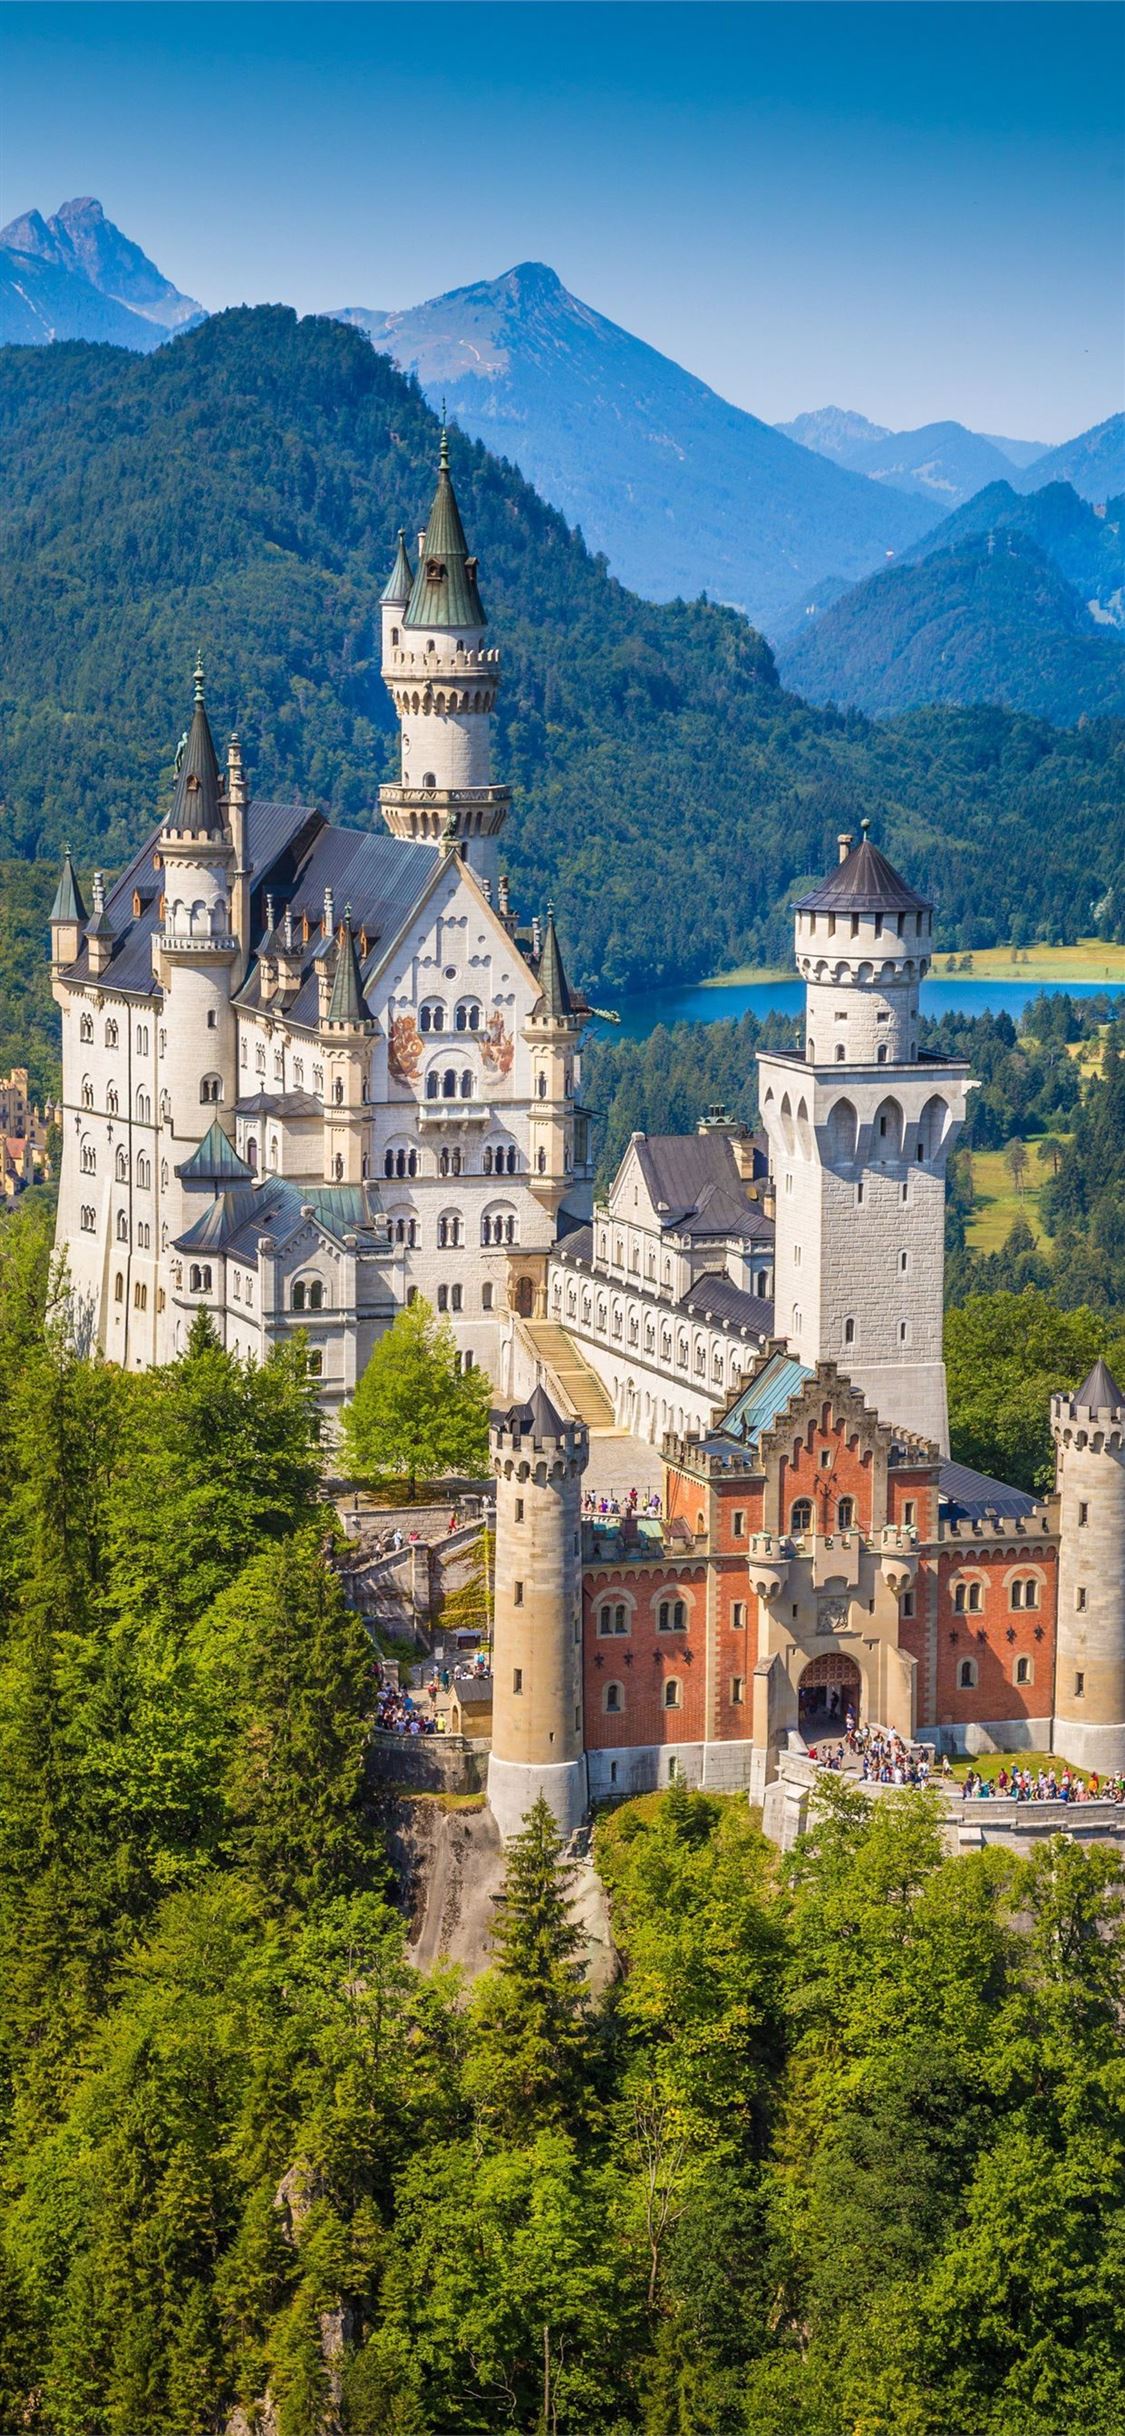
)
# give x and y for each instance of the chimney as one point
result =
(844, 844)
(236, 815)
(328, 926)
(503, 894)
(536, 936)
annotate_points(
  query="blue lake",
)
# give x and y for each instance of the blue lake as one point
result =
(691, 1003)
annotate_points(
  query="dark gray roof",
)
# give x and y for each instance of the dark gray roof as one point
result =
(537, 1418)
(718, 1298)
(864, 883)
(550, 975)
(279, 1104)
(214, 1161)
(347, 1003)
(68, 905)
(399, 584)
(197, 801)
(445, 590)
(1100, 1392)
(277, 836)
(382, 877)
(578, 1241)
(695, 1185)
(969, 1496)
(236, 1218)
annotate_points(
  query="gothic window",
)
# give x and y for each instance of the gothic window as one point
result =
(111, 1035)
(144, 1173)
(211, 1089)
(800, 1520)
(86, 1028)
(88, 1159)
(87, 1093)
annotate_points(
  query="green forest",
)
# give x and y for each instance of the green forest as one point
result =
(239, 491)
(837, 2152)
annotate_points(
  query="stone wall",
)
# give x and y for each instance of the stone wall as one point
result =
(427, 1763)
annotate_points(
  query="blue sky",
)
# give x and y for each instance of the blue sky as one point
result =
(912, 210)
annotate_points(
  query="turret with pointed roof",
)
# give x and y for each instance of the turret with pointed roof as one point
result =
(198, 806)
(445, 590)
(442, 679)
(347, 1004)
(68, 913)
(551, 977)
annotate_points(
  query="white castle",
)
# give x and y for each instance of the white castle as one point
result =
(310, 1072)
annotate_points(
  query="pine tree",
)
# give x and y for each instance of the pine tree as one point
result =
(416, 1413)
(532, 2044)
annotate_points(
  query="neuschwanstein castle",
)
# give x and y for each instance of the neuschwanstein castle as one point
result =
(311, 1072)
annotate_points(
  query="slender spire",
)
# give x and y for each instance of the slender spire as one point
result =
(400, 582)
(197, 805)
(445, 591)
(68, 905)
(551, 977)
(347, 1003)
(99, 926)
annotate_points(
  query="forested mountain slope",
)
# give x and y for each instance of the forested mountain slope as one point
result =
(239, 491)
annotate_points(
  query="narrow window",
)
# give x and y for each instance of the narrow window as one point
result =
(1080, 1687)
(517, 1678)
(517, 1594)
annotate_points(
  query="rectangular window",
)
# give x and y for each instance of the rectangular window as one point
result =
(909, 1512)
(738, 1614)
(1083, 1515)
(517, 1593)
(1017, 1594)
(455, 1298)
(737, 1690)
(906, 1603)
(1080, 1600)
(443, 1298)
(578, 1721)
(519, 1509)
(1080, 1687)
(517, 1678)
(738, 1525)
(486, 1298)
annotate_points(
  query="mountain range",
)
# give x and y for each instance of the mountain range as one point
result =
(1014, 600)
(239, 489)
(76, 276)
(944, 462)
(683, 492)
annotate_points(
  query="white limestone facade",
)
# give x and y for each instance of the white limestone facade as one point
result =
(860, 1131)
(309, 1073)
(1089, 1434)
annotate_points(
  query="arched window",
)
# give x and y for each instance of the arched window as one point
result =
(298, 1295)
(449, 1231)
(314, 1363)
(199, 1278)
(673, 1693)
(612, 1620)
(316, 1295)
(967, 1674)
(121, 1166)
(486, 1162)
(449, 1084)
(86, 1028)
(88, 1159)
(613, 1699)
(1023, 1670)
(119, 1288)
(111, 1034)
(87, 1093)
(211, 1089)
(849, 1332)
(541, 1162)
(468, 1015)
(433, 1086)
(800, 1519)
(431, 1015)
(112, 1103)
(144, 1173)
(671, 1616)
(466, 1085)
(541, 1086)
(122, 1227)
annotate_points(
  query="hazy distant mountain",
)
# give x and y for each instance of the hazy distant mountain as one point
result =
(77, 276)
(1019, 601)
(1094, 463)
(941, 461)
(683, 492)
(1018, 452)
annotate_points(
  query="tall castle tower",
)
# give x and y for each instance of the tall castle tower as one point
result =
(199, 952)
(443, 683)
(860, 1131)
(552, 1030)
(1089, 1433)
(538, 1460)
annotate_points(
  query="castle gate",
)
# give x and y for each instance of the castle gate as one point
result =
(827, 1689)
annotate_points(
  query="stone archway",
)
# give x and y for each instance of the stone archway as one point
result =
(525, 1297)
(827, 1688)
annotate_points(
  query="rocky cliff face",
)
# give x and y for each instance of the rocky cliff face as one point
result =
(78, 276)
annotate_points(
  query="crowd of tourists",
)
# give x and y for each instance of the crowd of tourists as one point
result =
(875, 1756)
(1042, 1785)
(611, 1509)
(397, 1712)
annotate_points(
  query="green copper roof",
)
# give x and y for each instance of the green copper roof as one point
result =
(551, 977)
(68, 905)
(757, 1408)
(399, 584)
(347, 1003)
(195, 804)
(445, 586)
(215, 1162)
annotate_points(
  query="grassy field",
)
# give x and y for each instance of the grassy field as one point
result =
(997, 1204)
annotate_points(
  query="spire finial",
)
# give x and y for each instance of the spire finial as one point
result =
(443, 453)
(865, 823)
(199, 679)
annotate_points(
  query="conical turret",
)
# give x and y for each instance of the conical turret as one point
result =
(68, 913)
(197, 804)
(445, 590)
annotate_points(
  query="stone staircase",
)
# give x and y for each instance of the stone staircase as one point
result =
(567, 1371)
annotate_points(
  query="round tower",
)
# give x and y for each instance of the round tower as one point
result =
(864, 943)
(538, 1460)
(443, 681)
(346, 1033)
(552, 1031)
(196, 951)
(1089, 1433)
